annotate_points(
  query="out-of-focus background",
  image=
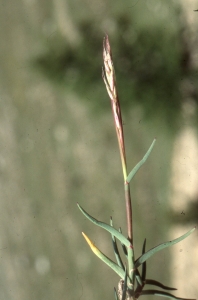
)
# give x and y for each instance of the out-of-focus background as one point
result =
(58, 145)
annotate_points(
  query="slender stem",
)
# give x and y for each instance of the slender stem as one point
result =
(108, 74)
(130, 233)
(128, 211)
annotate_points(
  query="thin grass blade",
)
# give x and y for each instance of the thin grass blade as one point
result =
(104, 258)
(123, 246)
(125, 285)
(115, 248)
(152, 251)
(107, 227)
(115, 294)
(137, 167)
(138, 277)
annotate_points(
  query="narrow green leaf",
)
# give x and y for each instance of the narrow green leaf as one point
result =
(138, 277)
(115, 294)
(131, 264)
(140, 280)
(107, 227)
(115, 248)
(163, 294)
(152, 251)
(104, 258)
(123, 246)
(125, 285)
(136, 168)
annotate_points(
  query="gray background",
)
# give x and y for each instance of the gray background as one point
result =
(57, 150)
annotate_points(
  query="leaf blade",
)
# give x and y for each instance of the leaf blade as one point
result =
(104, 258)
(141, 162)
(115, 294)
(107, 227)
(162, 246)
(125, 285)
(115, 248)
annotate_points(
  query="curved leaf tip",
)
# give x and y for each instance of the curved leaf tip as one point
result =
(104, 258)
(162, 246)
(107, 227)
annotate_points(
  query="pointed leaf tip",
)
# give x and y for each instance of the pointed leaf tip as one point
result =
(115, 294)
(162, 246)
(90, 243)
(107, 227)
(140, 163)
(117, 269)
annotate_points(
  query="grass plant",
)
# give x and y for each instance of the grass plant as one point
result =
(133, 280)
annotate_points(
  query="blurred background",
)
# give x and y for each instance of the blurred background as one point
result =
(58, 144)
